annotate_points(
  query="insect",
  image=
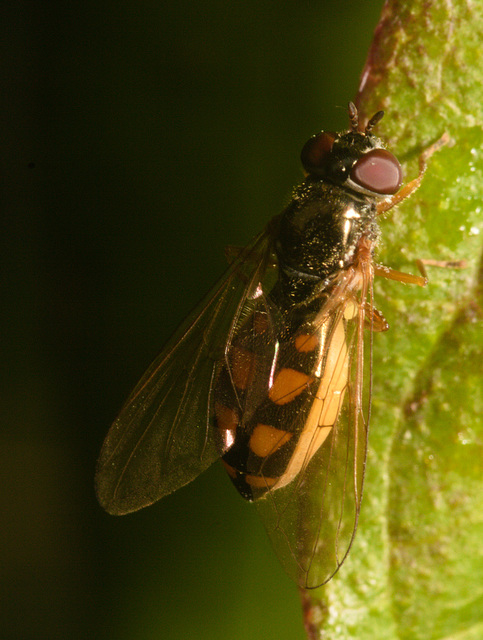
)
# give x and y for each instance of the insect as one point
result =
(270, 372)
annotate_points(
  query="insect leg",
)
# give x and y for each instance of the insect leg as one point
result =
(400, 276)
(374, 319)
(422, 280)
(411, 187)
(445, 264)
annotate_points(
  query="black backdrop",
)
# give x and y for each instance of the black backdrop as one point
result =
(137, 140)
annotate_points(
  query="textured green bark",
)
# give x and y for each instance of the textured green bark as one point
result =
(416, 568)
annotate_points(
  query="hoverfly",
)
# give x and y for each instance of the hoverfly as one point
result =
(269, 371)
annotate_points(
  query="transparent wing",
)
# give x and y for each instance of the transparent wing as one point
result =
(311, 513)
(161, 439)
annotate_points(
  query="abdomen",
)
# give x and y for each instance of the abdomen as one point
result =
(277, 398)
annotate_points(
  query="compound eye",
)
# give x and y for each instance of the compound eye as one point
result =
(378, 171)
(316, 151)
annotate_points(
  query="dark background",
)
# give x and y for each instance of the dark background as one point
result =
(137, 140)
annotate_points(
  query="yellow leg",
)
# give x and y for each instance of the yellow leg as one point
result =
(422, 280)
(411, 187)
(400, 276)
(374, 318)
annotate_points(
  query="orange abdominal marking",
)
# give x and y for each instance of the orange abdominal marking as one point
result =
(229, 469)
(334, 381)
(243, 366)
(304, 343)
(260, 482)
(265, 439)
(288, 384)
(226, 418)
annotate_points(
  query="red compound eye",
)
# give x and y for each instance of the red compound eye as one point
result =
(378, 171)
(316, 151)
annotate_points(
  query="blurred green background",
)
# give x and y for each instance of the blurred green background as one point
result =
(137, 140)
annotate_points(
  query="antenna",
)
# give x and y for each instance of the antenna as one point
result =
(373, 121)
(353, 116)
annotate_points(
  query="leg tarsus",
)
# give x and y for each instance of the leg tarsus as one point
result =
(445, 264)
(374, 318)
